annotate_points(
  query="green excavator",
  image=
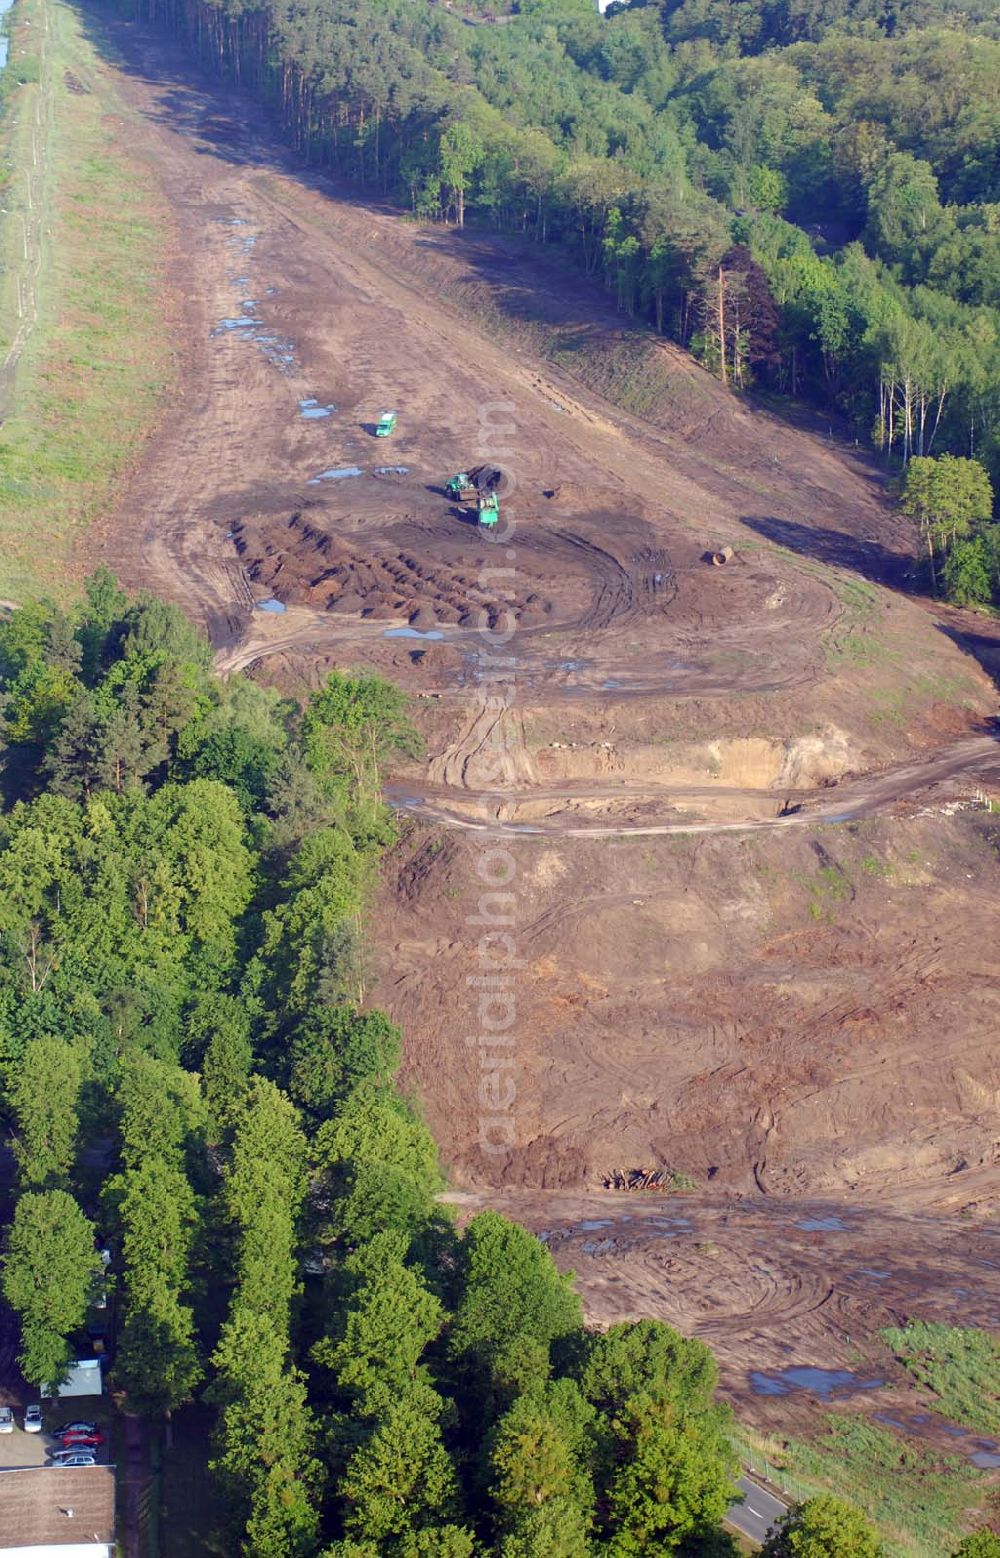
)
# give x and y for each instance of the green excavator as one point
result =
(478, 486)
(461, 487)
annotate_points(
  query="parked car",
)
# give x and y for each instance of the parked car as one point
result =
(33, 1420)
(82, 1441)
(75, 1428)
(74, 1458)
(6, 1420)
(97, 1335)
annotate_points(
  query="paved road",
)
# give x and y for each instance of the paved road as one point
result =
(758, 1513)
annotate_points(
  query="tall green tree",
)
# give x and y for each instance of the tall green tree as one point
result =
(390, 1319)
(824, 1527)
(671, 1482)
(45, 1095)
(162, 1112)
(157, 1361)
(48, 1275)
(401, 1479)
(945, 497)
(333, 1049)
(352, 725)
(265, 1460)
(380, 1166)
(647, 1358)
(664, 1467)
(514, 1304)
(540, 1478)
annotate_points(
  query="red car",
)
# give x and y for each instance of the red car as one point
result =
(78, 1439)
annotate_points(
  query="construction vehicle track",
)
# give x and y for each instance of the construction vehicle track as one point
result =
(672, 996)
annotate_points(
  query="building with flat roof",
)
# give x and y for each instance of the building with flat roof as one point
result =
(83, 1378)
(57, 1512)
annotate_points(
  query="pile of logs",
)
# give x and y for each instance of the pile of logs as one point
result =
(637, 1179)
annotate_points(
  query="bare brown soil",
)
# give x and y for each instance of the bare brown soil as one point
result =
(777, 1285)
(613, 514)
(806, 1008)
(793, 1012)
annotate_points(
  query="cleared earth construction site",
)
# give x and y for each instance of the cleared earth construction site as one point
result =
(744, 809)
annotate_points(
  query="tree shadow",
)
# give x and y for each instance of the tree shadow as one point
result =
(532, 286)
(976, 636)
(864, 556)
(192, 100)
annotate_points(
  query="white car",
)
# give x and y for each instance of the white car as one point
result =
(33, 1420)
(74, 1458)
(6, 1420)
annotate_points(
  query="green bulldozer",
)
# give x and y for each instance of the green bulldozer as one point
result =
(386, 424)
(489, 509)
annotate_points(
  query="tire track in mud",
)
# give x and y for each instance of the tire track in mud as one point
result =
(775, 647)
(681, 665)
(768, 1290)
(767, 1283)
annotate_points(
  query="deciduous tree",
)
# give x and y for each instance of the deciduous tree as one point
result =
(48, 1274)
(945, 497)
(824, 1527)
(45, 1095)
(513, 1305)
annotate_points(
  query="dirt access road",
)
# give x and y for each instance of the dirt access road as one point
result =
(844, 802)
(292, 297)
(785, 1014)
(296, 302)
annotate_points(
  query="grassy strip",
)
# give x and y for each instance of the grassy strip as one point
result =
(96, 361)
(961, 1366)
(920, 1499)
(19, 94)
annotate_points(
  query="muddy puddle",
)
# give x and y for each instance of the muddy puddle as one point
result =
(278, 352)
(245, 325)
(271, 605)
(336, 473)
(5, 6)
(978, 1450)
(412, 633)
(822, 1224)
(311, 410)
(824, 1383)
(888, 1421)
